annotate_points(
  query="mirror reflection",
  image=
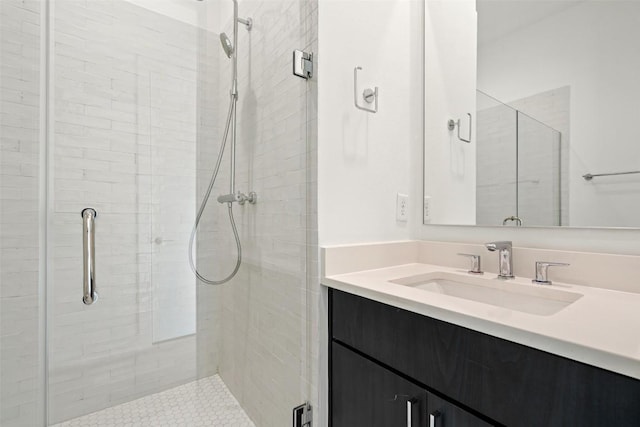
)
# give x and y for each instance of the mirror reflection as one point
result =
(553, 115)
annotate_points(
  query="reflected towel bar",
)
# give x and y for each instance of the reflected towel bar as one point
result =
(589, 176)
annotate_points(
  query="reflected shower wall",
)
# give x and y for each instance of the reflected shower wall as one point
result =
(538, 172)
(496, 154)
(519, 166)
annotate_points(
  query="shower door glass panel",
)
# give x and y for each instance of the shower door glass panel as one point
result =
(538, 172)
(496, 180)
(139, 99)
(124, 126)
(22, 214)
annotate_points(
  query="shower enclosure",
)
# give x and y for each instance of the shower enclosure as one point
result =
(120, 106)
(519, 163)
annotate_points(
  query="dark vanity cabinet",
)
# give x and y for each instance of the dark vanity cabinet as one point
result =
(367, 394)
(391, 367)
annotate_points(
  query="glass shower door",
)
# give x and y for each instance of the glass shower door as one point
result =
(124, 100)
(118, 107)
(497, 154)
(539, 167)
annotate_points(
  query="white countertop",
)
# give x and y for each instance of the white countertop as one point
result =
(602, 328)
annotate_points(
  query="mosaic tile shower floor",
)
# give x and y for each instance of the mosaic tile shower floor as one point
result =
(206, 402)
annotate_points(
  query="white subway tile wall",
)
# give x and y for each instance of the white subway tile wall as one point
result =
(553, 109)
(21, 356)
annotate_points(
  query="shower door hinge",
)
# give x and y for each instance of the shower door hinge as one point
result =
(302, 415)
(302, 64)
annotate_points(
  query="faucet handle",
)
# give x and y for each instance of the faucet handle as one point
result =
(496, 246)
(475, 263)
(541, 271)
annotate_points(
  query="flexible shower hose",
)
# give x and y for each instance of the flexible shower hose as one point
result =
(203, 205)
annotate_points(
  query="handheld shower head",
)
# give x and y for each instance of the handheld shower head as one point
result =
(226, 44)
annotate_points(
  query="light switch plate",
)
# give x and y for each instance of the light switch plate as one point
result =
(427, 209)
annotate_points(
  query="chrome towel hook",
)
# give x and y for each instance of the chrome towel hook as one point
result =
(369, 95)
(453, 123)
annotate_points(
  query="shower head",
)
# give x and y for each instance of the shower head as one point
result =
(226, 44)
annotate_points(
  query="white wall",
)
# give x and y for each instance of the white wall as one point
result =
(591, 47)
(450, 93)
(365, 159)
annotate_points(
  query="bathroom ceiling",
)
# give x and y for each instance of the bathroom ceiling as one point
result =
(498, 18)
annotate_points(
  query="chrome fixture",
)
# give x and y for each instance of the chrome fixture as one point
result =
(231, 50)
(239, 197)
(517, 220)
(89, 293)
(226, 44)
(475, 263)
(541, 271)
(303, 64)
(505, 258)
(246, 22)
(410, 403)
(433, 418)
(451, 125)
(369, 95)
(590, 176)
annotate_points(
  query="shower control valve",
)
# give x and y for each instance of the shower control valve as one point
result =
(252, 198)
(239, 197)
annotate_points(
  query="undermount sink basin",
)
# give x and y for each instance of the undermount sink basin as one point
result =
(542, 301)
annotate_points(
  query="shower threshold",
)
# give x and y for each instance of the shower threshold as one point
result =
(206, 402)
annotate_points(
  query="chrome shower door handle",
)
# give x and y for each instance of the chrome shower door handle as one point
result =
(89, 294)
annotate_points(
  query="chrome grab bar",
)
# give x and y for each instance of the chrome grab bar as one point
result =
(89, 256)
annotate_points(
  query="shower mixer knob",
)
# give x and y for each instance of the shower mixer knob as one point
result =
(251, 198)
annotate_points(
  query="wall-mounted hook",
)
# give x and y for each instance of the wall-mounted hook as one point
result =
(369, 95)
(453, 123)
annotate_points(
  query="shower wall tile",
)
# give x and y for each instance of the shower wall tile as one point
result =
(21, 358)
(270, 331)
(542, 194)
(130, 90)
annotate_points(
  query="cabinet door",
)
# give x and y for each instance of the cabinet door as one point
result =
(364, 394)
(442, 413)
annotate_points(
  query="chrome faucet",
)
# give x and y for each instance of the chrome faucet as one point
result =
(505, 258)
(541, 271)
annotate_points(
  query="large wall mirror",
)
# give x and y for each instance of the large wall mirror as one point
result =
(542, 102)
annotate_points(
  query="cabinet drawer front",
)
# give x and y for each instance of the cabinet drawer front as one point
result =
(508, 382)
(445, 414)
(365, 394)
